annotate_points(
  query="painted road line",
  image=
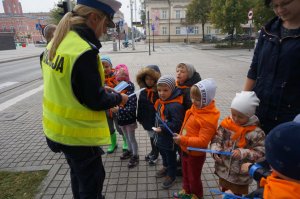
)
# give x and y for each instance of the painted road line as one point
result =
(7, 84)
(15, 100)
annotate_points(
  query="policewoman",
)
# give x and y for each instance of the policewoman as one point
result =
(75, 100)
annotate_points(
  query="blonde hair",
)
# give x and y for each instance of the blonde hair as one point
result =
(181, 65)
(79, 15)
(195, 92)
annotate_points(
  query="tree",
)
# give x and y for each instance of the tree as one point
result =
(198, 12)
(228, 15)
(55, 13)
(261, 14)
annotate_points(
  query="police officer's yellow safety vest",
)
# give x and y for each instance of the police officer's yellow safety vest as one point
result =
(65, 120)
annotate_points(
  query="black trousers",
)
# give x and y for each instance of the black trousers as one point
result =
(86, 169)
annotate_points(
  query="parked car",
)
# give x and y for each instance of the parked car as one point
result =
(210, 38)
(247, 37)
(236, 37)
(137, 39)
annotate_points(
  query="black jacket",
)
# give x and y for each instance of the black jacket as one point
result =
(146, 111)
(276, 69)
(187, 102)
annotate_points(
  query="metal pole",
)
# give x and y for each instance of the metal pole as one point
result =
(131, 13)
(250, 37)
(169, 38)
(153, 39)
(149, 32)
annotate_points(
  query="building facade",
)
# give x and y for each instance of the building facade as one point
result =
(23, 25)
(167, 22)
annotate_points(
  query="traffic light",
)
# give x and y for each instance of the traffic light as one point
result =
(64, 6)
(118, 27)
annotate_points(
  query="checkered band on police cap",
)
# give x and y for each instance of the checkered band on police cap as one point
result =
(168, 80)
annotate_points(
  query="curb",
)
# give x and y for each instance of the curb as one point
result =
(18, 59)
(48, 179)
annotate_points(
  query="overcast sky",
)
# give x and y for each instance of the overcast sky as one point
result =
(47, 5)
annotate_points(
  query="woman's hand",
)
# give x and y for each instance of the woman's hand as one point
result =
(245, 167)
(176, 138)
(156, 129)
(115, 109)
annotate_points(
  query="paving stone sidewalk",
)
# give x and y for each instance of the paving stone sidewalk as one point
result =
(23, 146)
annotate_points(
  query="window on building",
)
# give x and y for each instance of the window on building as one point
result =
(12, 29)
(164, 30)
(177, 14)
(217, 31)
(3, 28)
(177, 30)
(208, 30)
(196, 30)
(163, 14)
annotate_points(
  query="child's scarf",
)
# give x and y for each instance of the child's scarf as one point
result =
(178, 99)
(110, 80)
(181, 86)
(150, 94)
(239, 131)
(203, 114)
(275, 187)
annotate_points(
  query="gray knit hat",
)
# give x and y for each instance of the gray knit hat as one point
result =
(168, 80)
(190, 69)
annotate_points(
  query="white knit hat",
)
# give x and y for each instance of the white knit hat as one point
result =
(245, 102)
(207, 89)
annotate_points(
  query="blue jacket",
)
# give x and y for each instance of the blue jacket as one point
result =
(276, 69)
(127, 114)
(174, 115)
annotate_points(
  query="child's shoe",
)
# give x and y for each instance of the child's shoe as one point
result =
(126, 155)
(148, 156)
(153, 160)
(133, 162)
(161, 173)
(168, 182)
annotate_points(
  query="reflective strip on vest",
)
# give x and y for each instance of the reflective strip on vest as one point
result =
(65, 120)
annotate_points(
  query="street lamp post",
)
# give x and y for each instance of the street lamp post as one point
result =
(132, 29)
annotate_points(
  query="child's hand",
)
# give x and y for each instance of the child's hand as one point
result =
(156, 129)
(176, 138)
(115, 109)
(245, 167)
(236, 154)
(217, 158)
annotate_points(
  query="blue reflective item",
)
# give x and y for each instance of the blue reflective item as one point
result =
(210, 151)
(228, 195)
(253, 168)
(121, 86)
(164, 124)
(136, 92)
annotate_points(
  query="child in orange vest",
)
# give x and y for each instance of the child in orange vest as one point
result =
(169, 110)
(199, 126)
(110, 80)
(282, 154)
(240, 134)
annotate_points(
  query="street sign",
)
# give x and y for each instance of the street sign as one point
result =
(152, 27)
(250, 15)
(137, 23)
